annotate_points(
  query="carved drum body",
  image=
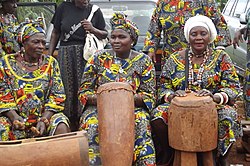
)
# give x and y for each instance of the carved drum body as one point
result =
(193, 123)
(60, 150)
(193, 127)
(115, 105)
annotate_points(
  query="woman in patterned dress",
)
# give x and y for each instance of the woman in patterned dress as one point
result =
(31, 90)
(211, 72)
(169, 18)
(8, 25)
(120, 64)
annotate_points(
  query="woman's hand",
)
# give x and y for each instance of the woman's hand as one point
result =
(41, 127)
(87, 25)
(18, 123)
(204, 92)
(139, 101)
(17, 120)
(179, 93)
(152, 56)
(92, 100)
(238, 37)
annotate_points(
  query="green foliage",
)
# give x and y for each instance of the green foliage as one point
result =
(56, 1)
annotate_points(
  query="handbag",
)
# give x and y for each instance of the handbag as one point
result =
(92, 43)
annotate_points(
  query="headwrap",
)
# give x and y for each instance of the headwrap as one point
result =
(120, 21)
(26, 30)
(200, 20)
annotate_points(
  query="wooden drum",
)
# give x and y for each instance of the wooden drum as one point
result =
(193, 123)
(60, 150)
(115, 105)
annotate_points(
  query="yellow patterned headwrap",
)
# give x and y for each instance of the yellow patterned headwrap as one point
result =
(28, 29)
(120, 21)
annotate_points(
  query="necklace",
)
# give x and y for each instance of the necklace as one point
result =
(120, 64)
(198, 55)
(29, 64)
(198, 81)
(24, 63)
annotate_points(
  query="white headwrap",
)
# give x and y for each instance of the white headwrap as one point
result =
(200, 20)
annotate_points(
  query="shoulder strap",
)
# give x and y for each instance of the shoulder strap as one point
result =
(93, 10)
(186, 68)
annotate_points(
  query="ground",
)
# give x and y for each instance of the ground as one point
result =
(238, 159)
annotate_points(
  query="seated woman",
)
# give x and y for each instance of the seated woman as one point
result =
(211, 72)
(120, 64)
(31, 94)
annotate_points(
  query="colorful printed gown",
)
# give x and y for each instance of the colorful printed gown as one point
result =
(247, 74)
(30, 94)
(219, 76)
(8, 43)
(139, 72)
(170, 16)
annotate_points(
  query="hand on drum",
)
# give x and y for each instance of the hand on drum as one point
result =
(180, 93)
(41, 128)
(204, 92)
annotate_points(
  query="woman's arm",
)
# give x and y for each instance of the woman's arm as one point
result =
(53, 41)
(55, 98)
(86, 93)
(145, 94)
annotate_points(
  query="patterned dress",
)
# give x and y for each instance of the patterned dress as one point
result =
(247, 74)
(138, 71)
(169, 18)
(219, 76)
(30, 94)
(8, 26)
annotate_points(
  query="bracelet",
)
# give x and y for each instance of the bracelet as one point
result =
(221, 98)
(44, 120)
(166, 97)
(225, 97)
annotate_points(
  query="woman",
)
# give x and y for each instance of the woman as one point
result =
(8, 25)
(120, 64)
(32, 94)
(211, 72)
(169, 18)
(68, 16)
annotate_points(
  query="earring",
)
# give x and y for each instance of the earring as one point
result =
(132, 44)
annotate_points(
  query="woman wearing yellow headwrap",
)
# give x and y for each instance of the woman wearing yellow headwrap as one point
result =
(31, 94)
(120, 64)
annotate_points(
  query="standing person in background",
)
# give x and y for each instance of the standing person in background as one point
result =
(170, 16)
(238, 36)
(66, 18)
(8, 25)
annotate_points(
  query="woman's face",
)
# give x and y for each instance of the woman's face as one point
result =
(81, 3)
(121, 41)
(199, 39)
(9, 6)
(34, 46)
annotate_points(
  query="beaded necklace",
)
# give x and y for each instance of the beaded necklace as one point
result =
(191, 80)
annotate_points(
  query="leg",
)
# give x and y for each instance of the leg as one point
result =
(163, 150)
(144, 152)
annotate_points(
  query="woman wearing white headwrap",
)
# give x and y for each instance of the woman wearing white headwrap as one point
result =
(211, 72)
